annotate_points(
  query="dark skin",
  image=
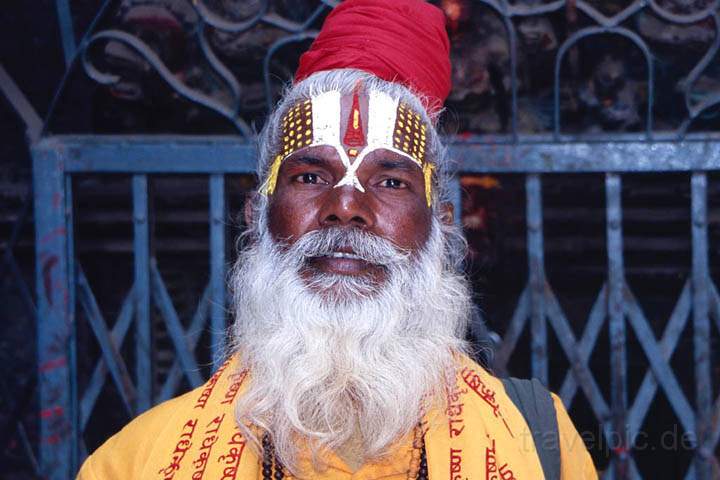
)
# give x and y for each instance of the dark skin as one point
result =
(392, 207)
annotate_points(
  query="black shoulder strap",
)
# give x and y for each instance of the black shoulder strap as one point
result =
(536, 405)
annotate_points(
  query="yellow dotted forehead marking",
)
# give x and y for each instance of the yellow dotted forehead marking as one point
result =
(409, 134)
(296, 132)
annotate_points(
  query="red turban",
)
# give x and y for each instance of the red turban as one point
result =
(400, 41)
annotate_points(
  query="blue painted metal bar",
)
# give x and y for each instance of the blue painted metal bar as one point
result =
(616, 19)
(616, 313)
(714, 427)
(701, 323)
(100, 13)
(67, 32)
(713, 442)
(28, 448)
(584, 376)
(137, 154)
(646, 392)
(580, 370)
(72, 348)
(9, 262)
(291, 26)
(97, 379)
(527, 9)
(707, 101)
(513, 332)
(658, 360)
(223, 72)
(169, 388)
(108, 348)
(713, 439)
(594, 325)
(715, 304)
(55, 323)
(175, 330)
(21, 105)
(585, 157)
(537, 280)
(143, 327)
(692, 17)
(213, 19)
(714, 436)
(217, 268)
(159, 154)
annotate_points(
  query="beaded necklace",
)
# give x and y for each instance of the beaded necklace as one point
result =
(272, 469)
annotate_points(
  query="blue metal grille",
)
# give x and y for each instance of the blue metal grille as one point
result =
(537, 305)
(62, 286)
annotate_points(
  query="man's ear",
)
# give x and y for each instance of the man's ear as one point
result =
(447, 213)
(249, 209)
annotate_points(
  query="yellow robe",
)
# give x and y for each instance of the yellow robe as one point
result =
(479, 435)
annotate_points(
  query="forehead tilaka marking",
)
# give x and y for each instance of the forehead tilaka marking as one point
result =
(354, 135)
(391, 126)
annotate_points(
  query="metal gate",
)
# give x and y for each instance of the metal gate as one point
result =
(62, 288)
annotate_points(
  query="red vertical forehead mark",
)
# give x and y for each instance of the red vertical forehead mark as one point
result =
(354, 135)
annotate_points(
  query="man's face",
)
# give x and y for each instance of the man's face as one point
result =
(393, 205)
(349, 270)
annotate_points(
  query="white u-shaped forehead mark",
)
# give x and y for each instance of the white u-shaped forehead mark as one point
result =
(382, 112)
(326, 122)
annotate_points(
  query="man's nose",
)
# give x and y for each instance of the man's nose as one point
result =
(346, 206)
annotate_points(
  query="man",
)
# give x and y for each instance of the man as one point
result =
(348, 359)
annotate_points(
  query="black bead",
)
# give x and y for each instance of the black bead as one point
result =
(279, 475)
(423, 470)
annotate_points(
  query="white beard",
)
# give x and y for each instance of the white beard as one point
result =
(344, 357)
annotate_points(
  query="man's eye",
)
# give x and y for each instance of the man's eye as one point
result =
(308, 178)
(393, 183)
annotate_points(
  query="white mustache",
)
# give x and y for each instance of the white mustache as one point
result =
(339, 242)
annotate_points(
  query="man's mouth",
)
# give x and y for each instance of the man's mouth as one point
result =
(344, 255)
(342, 262)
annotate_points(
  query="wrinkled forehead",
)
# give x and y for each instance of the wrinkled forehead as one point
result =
(355, 124)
